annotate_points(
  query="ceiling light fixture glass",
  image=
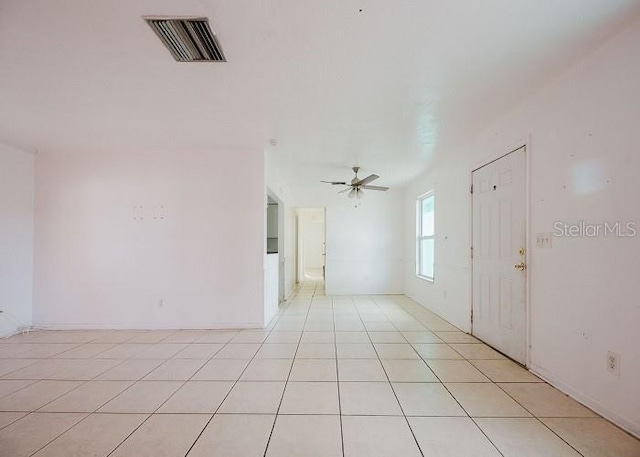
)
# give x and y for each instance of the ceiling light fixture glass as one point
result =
(358, 194)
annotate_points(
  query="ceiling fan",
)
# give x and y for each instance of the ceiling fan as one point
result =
(356, 186)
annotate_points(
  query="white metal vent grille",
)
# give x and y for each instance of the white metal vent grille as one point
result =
(188, 39)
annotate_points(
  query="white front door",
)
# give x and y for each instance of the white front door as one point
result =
(499, 277)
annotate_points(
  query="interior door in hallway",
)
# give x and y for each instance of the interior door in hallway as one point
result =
(498, 243)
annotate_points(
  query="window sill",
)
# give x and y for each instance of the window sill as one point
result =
(425, 278)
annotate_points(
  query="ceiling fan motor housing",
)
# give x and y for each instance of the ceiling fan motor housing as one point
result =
(356, 186)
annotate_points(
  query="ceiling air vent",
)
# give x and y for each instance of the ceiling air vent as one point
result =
(188, 39)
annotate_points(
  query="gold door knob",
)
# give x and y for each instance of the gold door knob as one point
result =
(520, 266)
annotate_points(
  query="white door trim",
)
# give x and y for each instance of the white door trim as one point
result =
(526, 144)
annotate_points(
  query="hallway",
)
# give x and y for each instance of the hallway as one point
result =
(331, 376)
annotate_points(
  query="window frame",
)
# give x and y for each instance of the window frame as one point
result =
(421, 237)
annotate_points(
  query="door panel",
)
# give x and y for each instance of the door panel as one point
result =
(499, 222)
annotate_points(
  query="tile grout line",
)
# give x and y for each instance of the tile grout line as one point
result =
(406, 419)
(174, 392)
(82, 383)
(167, 399)
(335, 348)
(284, 390)
(452, 396)
(57, 436)
(498, 386)
(14, 421)
(386, 309)
(230, 390)
(533, 416)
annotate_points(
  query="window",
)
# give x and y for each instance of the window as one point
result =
(425, 236)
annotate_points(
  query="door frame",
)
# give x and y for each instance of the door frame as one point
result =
(282, 268)
(299, 248)
(513, 147)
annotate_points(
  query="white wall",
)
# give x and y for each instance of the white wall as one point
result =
(271, 287)
(311, 239)
(277, 186)
(364, 245)
(201, 266)
(584, 165)
(364, 252)
(449, 294)
(16, 238)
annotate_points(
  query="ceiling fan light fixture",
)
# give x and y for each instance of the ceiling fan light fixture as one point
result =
(356, 186)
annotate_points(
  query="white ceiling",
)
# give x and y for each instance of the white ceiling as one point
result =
(388, 87)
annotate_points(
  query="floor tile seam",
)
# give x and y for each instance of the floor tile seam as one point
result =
(4, 376)
(180, 387)
(15, 420)
(475, 422)
(415, 439)
(335, 347)
(16, 391)
(60, 434)
(273, 426)
(537, 418)
(279, 316)
(456, 400)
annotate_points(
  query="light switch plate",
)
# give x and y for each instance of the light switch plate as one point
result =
(543, 240)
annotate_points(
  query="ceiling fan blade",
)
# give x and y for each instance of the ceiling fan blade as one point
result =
(375, 187)
(335, 183)
(345, 190)
(367, 180)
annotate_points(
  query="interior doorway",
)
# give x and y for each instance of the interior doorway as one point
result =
(311, 244)
(276, 240)
(499, 254)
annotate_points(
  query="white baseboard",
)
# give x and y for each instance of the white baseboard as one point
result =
(222, 326)
(289, 294)
(628, 425)
(465, 327)
(7, 332)
(361, 294)
(10, 331)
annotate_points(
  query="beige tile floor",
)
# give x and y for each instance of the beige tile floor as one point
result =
(331, 376)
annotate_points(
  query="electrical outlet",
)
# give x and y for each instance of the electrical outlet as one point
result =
(613, 363)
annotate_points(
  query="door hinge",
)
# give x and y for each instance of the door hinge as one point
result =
(471, 314)
(472, 252)
(471, 188)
